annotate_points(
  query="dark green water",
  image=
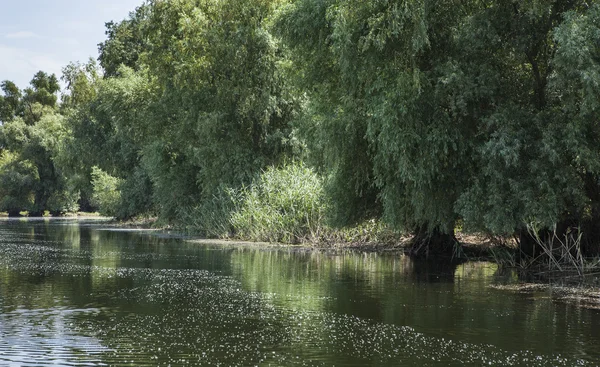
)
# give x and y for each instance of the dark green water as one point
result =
(76, 294)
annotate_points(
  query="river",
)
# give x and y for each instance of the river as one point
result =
(77, 293)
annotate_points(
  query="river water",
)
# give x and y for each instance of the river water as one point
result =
(74, 293)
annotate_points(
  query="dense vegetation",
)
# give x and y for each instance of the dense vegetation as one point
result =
(273, 119)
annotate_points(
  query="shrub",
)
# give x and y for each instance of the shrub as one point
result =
(282, 205)
(64, 201)
(106, 195)
(18, 179)
(136, 195)
(212, 218)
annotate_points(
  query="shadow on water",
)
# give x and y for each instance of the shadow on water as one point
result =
(77, 293)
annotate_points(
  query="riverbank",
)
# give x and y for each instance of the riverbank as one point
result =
(566, 286)
(374, 238)
(582, 292)
(474, 246)
(581, 296)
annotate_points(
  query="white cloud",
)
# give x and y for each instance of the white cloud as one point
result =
(22, 35)
(19, 65)
(77, 26)
(66, 41)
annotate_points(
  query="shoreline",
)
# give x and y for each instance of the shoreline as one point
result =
(476, 248)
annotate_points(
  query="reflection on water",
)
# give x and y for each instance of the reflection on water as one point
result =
(76, 294)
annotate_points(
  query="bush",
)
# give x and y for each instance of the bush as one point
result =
(282, 205)
(18, 179)
(212, 218)
(106, 195)
(62, 202)
(136, 195)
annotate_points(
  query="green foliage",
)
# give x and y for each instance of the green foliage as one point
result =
(529, 158)
(39, 144)
(81, 83)
(18, 179)
(484, 111)
(212, 217)
(63, 202)
(420, 114)
(106, 195)
(225, 108)
(385, 140)
(334, 122)
(136, 195)
(282, 205)
(173, 179)
(125, 42)
(10, 102)
(40, 98)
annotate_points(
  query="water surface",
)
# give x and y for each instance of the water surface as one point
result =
(75, 293)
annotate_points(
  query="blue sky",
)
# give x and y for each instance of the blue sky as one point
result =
(48, 34)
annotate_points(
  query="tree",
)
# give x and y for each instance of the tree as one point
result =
(334, 121)
(34, 136)
(18, 179)
(372, 69)
(81, 83)
(125, 43)
(224, 110)
(10, 102)
(457, 108)
(529, 163)
(107, 130)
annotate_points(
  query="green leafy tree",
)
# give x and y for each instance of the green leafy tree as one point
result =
(10, 102)
(389, 137)
(106, 196)
(532, 145)
(35, 135)
(458, 108)
(125, 42)
(40, 98)
(81, 83)
(18, 180)
(224, 110)
(107, 130)
(333, 123)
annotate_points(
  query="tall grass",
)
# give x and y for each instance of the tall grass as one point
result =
(212, 218)
(283, 205)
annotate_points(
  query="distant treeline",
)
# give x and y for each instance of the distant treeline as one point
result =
(275, 119)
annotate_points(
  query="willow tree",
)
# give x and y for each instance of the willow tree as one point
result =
(224, 108)
(533, 67)
(483, 111)
(33, 132)
(376, 72)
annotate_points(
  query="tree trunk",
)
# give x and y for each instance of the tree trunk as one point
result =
(14, 213)
(529, 247)
(427, 243)
(591, 227)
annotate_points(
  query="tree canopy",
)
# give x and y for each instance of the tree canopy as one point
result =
(425, 114)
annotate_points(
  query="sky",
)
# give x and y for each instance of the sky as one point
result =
(48, 34)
